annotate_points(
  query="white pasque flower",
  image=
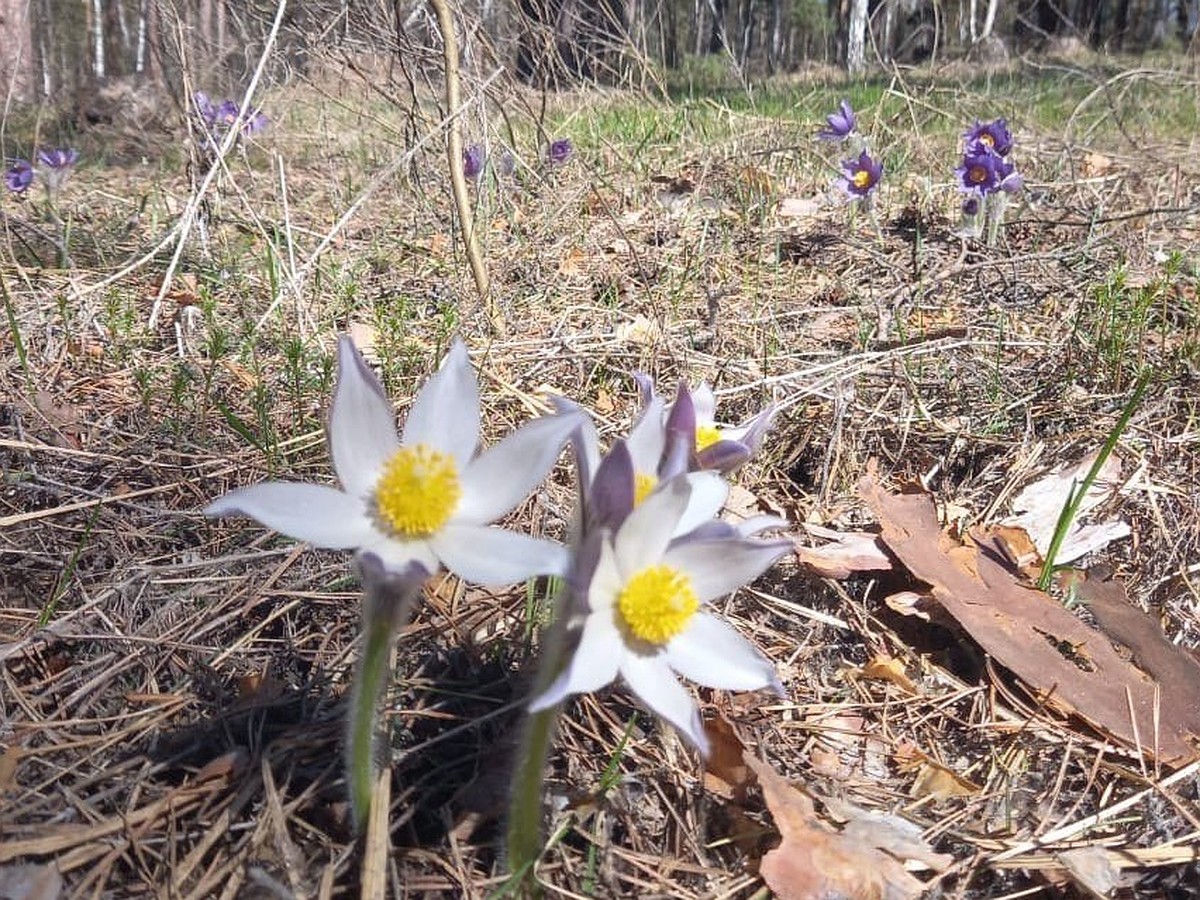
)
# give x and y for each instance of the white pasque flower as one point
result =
(426, 496)
(645, 619)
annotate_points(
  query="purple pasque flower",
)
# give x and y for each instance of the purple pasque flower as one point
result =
(473, 160)
(204, 107)
(720, 448)
(426, 495)
(19, 176)
(559, 151)
(980, 170)
(256, 121)
(839, 125)
(58, 158)
(994, 135)
(226, 113)
(861, 176)
(645, 587)
(1010, 180)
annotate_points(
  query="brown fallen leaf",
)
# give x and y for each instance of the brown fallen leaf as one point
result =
(815, 861)
(725, 771)
(847, 552)
(882, 667)
(933, 779)
(1073, 667)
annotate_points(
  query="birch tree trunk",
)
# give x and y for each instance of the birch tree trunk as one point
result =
(856, 41)
(16, 49)
(989, 20)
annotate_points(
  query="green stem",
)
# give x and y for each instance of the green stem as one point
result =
(524, 839)
(389, 599)
(1076, 496)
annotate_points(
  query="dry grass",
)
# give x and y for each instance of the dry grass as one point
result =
(172, 688)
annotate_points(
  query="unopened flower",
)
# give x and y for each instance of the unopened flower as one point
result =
(645, 618)
(839, 125)
(559, 152)
(426, 496)
(473, 159)
(19, 176)
(204, 107)
(57, 163)
(861, 176)
(256, 121)
(58, 158)
(970, 206)
(994, 135)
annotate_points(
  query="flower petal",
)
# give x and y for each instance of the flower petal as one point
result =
(643, 537)
(705, 404)
(494, 557)
(399, 556)
(362, 426)
(593, 664)
(445, 413)
(321, 515)
(718, 568)
(709, 491)
(502, 476)
(656, 686)
(680, 432)
(648, 438)
(713, 654)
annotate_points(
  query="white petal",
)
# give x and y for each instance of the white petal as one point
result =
(362, 426)
(502, 476)
(720, 567)
(705, 404)
(494, 557)
(709, 492)
(606, 583)
(323, 516)
(711, 653)
(445, 413)
(643, 537)
(397, 555)
(656, 686)
(593, 665)
(648, 438)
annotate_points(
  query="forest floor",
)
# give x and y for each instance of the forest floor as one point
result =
(172, 688)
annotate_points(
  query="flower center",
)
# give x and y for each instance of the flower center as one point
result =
(862, 178)
(657, 603)
(642, 486)
(987, 140)
(706, 436)
(978, 174)
(417, 492)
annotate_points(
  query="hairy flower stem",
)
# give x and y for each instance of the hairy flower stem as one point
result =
(388, 602)
(524, 838)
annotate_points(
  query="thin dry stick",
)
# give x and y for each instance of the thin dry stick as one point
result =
(462, 200)
(188, 219)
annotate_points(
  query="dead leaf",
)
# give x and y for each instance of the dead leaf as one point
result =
(799, 207)
(910, 603)
(848, 552)
(573, 263)
(1073, 667)
(887, 668)
(1091, 869)
(725, 771)
(366, 339)
(641, 330)
(1095, 165)
(1039, 505)
(814, 861)
(30, 882)
(933, 779)
(9, 757)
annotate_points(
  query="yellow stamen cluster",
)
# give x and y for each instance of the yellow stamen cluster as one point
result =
(417, 492)
(862, 178)
(706, 436)
(657, 603)
(642, 486)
